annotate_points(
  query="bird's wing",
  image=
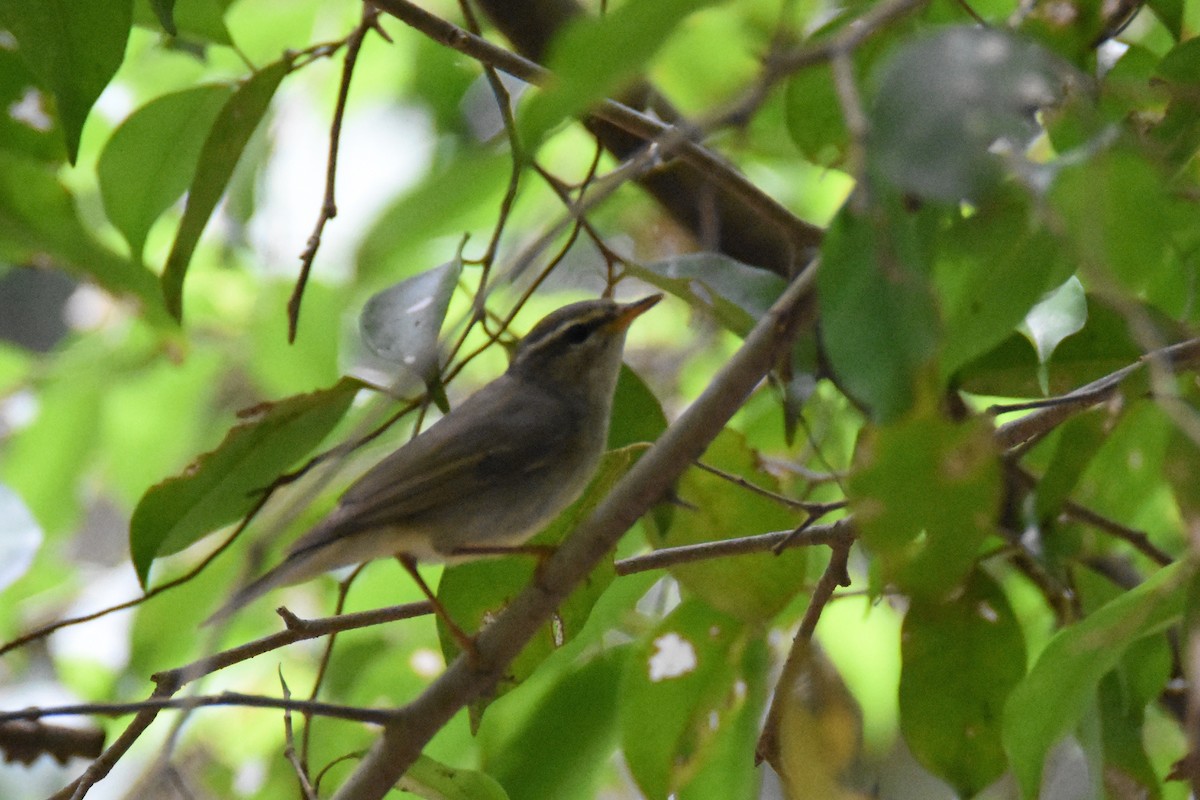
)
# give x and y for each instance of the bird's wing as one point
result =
(493, 433)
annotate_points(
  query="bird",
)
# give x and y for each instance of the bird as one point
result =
(490, 473)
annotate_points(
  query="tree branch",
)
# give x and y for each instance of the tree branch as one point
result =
(754, 227)
(831, 534)
(1051, 413)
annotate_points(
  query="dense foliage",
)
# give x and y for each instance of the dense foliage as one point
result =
(947, 547)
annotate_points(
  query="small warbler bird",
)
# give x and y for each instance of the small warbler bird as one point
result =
(489, 474)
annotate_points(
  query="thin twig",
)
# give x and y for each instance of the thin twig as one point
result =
(1180, 356)
(352, 713)
(289, 750)
(327, 656)
(831, 534)
(46, 630)
(171, 681)
(354, 44)
(738, 480)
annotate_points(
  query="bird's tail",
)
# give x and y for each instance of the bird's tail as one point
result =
(297, 567)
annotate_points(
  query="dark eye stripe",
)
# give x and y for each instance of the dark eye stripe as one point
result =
(578, 333)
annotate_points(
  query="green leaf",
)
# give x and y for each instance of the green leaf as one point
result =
(1113, 208)
(1170, 13)
(961, 658)
(927, 548)
(221, 486)
(878, 321)
(477, 590)
(992, 267)
(73, 48)
(637, 415)
(38, 220)
(401, 323)
(945, 99)
(1105, 344)
(1052, 698)
(751, 587)
(1061, 313)
(596, 56)
(165, 11)
(814, 116)
(44, 460)
(436, 781)
(150, 160)
(190, 20)
(1076, 443)
(727, 770)
(235, 124)
(28, 127)
(568, 736)
(736, 294)
(677, 691)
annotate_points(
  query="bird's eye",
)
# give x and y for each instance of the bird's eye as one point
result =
(577, 334)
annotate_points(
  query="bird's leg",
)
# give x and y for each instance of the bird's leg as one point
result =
(465, 643)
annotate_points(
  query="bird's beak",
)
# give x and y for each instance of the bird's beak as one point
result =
(631, 311)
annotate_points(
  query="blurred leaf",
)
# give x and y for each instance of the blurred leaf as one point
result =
(239, 117)
(44, 460)
(28, 127)
(165, 11)
(568, 736)
(1127, 475)
(1181, 468)
(750, 587)
(946, 99)
(223, 485)
(736, 294)
(1121, 728)
(447, 201)
(1075, 445)
(20, 537)
(677, 691)
(1059, 314)
(150, 160)
(926, 548)
(637, 415)
(878, 321)
(1170, 13)
(814, 732)
(73, 48)
(814, 116)
(1178, 131)
(436, 781)
(728, 770)
(594, 57)
(1104, 345)
(280, 367)
(962, 657)
(38, 220)
(201, 20)
(474, 591)
(991, 269)
(1051, 699)
(1114, 208)
(401, 323)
